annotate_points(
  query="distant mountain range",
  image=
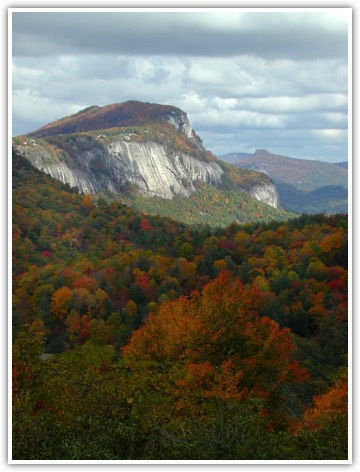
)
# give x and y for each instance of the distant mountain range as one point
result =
(149, 156)
(303, 185)
(342, 164)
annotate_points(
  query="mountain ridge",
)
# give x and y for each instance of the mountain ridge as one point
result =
(118, 115)
(304, 174)
(303, 186)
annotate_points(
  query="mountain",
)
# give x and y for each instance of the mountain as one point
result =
(303, 185)
(303, 174)
(131, 113)
(344, 164)
(136, 150)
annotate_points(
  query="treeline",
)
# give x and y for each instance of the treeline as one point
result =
(137, 337)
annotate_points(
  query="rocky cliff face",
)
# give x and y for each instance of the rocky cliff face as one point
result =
(266, 193)
(149, 166)
(181, 123)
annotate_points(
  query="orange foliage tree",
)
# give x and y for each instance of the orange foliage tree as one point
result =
(330, 408)
(323, 431)
(213, 346)
(60, 302)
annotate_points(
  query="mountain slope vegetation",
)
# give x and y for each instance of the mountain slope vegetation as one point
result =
(117, 115)
(137, 337)
(329, 199)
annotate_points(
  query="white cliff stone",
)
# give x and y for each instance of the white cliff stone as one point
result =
(266, 193)
(153, 168)
(181, 123)
(149, 166)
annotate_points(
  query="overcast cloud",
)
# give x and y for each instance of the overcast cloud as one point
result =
(247, 80)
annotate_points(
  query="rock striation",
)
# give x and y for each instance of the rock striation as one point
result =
(153, 169)
(266, 193)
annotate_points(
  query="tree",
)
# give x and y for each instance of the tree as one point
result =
(61, 302)
(99, 331)
(323, 431)
(330, 408)
(73, 324)
(130, 309)
(213, 346)
(145, 225)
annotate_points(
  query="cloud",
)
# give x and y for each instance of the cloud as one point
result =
(214, 117)
(245, 79)
(217, 33)
(225, 103)
(302, 103)
(293, 143)
(26, 104)
(336, 134)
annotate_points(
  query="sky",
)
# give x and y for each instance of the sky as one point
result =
(275, 80)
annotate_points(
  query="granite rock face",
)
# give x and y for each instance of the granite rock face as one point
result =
(266, 193)
(156, 171)
(181, 123)
(153, 168)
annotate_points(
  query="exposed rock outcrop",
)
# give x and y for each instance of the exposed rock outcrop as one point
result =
(266, 193)
(149, 166)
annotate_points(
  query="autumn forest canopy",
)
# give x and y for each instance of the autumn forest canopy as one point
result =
(138, 337)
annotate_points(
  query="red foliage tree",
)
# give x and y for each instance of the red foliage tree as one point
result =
(145, 225)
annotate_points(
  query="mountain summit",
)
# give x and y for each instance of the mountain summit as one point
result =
(131, 113)
(137, 149)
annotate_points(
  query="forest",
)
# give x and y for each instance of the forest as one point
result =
(136, 337)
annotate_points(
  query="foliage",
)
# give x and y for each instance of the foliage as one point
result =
(209, 205)
(324, 427)
(138, 337)
(214, 347)
(117, 115)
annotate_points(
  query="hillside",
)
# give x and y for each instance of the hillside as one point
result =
(344, 164)
(135, 150)
(140, 338)
(329, 199)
